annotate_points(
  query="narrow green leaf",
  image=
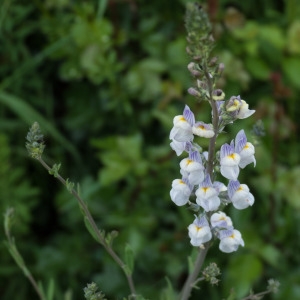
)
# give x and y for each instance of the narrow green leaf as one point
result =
(30, 115)
(50, 290)
(129, 258)
(30, 64)
(41, 289)
(168, 293)
(90, 229)
(102, 4)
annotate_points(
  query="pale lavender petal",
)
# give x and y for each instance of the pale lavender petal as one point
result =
(232, 187)
(225, 233)
(201, 222)
(219, 186)
(195, 156)
(240, 141)
(189, 115)
(207, 181)
(225, 150)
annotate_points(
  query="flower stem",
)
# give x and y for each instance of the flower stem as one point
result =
(16, 254)
(215, 122)
(190, 281)
(186, 291)
(100, 237)
(256, 296)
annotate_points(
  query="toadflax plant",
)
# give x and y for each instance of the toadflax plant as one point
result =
(200, 171)
(198, 186)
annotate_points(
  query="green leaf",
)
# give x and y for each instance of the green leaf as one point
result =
(30, 115)
(168, 293)
(102, 4)
(41, 289)
(291, 67)
(123, 156)
(129, 259)
(30, 64)
(91, 229)
(257, 67)
(270, 254)
(274, 35)
(243, 270)
(50, 290)
(289, 184)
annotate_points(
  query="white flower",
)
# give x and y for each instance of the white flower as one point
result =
(229, 161)
(219, 186)
(239, 108)
(182, 126)
(231, 239)
(207, 195)
(182, 130)
(192, 168)
(199, 231)
(203, 130)
(244, 149)
(240, 195)
(221, 220)
(247, 155)
(180, 192)
(244, 111)
(178, 147)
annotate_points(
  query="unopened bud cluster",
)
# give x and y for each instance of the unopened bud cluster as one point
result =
(35, 144)
(91, 292)
(198, 186)
(211, 272)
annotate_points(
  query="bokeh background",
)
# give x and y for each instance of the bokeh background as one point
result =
(104, 79)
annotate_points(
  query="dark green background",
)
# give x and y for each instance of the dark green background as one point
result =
(104, 80)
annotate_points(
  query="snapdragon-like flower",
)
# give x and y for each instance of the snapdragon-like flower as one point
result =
(203, 130)
(192, 168)
(240, 195)
(180, 191)
(231, 239)
(229, 161)
(207, 195)
(178, 147)
(221, 220)
(239, 108)
(244, 111)
(182, 126)
(199, 231)
(244, 149)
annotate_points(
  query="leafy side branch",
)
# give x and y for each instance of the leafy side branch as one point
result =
(35, 147)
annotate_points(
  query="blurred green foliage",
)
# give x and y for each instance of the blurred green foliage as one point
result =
(104, 79)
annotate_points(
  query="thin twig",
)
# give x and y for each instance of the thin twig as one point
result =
(100, 237)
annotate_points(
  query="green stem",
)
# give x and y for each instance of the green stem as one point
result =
(100, 237)
(18, 257)
(256, 296)
(189, 283)
(35, 286)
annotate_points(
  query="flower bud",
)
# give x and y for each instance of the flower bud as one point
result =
(201, 84)
(188, 50)
(233, 104)
(213, 61)
(197, 57)
(191, 67)
(194, 92)
(218, 95)
(221, 68)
